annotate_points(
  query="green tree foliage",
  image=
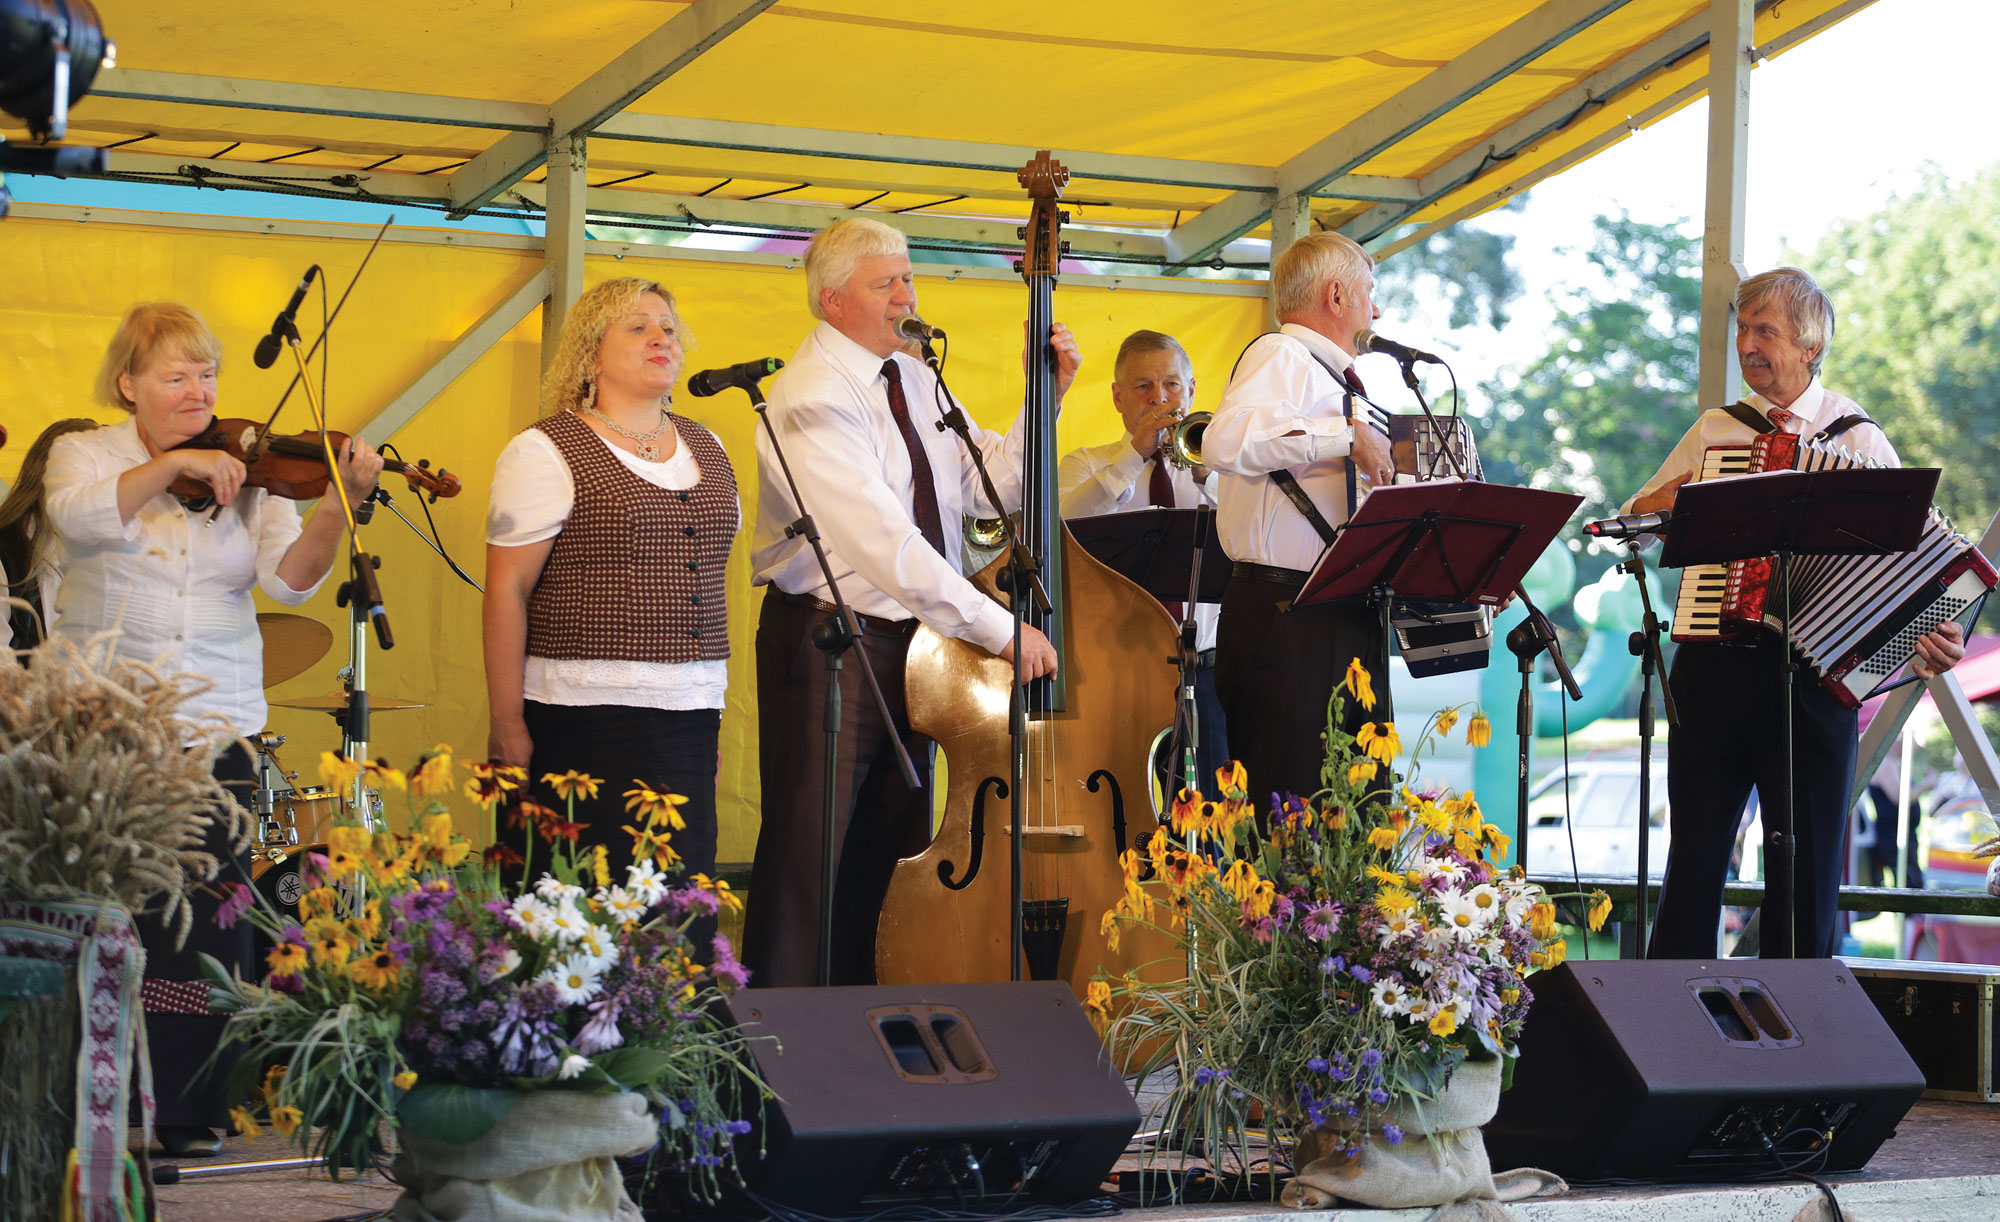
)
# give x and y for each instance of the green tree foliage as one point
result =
(1463, 265)
(1916, 292)
(1598, 412)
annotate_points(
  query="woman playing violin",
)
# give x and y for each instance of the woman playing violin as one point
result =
(609, 528)
(172, 585)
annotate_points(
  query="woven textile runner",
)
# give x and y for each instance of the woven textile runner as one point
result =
(98, 937)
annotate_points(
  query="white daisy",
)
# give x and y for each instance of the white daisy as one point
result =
(532, 915)
(566, 923)
(625, 906)
(577, 979)
(596, 942)
(504, 966)
(646, 882)
(555, 890)
(1390, 996)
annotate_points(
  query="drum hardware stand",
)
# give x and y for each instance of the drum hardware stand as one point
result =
(1645, 643)
(839, 632)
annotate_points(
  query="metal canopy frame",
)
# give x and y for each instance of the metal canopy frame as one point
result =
(1324, 185)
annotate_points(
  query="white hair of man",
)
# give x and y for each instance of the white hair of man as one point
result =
(1301, 274)
(1805, 304)
(838, 249)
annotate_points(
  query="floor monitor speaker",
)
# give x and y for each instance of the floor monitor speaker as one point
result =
(1701, 1069)
(962, 1093)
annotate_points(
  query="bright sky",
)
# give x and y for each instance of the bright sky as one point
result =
(1836, 126)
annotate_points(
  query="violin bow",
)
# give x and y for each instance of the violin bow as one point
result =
(321, 337)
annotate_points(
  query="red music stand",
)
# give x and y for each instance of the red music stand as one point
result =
(1856, 511)
(1444, 540)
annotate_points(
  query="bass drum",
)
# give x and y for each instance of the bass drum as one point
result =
(278, 874)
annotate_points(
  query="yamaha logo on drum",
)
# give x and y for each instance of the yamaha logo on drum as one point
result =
(290, 888)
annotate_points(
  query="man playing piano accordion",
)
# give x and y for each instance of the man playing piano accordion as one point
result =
(1729, 738)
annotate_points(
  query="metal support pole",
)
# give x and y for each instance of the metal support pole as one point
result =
(1291, 219)
(1731, 35)
(562, 239)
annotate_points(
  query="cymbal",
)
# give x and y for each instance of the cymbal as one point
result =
(337, 703)
(292, 643)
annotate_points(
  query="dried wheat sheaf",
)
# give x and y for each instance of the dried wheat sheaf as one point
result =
(101, 792)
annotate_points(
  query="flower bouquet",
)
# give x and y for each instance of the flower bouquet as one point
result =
(563, 1026)
(1349, 953)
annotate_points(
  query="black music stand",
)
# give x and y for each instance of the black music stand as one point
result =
(1859, 511)
(1452, 542)
(1176, 556)
(1155, 548)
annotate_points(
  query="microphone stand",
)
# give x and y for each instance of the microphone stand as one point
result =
(1022, 575)
(1528, 639)
(839, 632)
(1645, 643)
(1187, 719)
(361, 592)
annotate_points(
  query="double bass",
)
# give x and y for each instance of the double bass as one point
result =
(1079, 789)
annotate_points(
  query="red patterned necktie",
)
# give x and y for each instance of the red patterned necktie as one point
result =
(1782, 417)
(1161, 490)
(1354, 381)
(924, 502)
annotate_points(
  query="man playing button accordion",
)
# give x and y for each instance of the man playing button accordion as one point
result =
(1730, 733)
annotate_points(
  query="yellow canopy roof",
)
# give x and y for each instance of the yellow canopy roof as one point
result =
(1182, 120)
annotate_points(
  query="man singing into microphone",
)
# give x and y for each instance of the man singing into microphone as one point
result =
(856, 415)
(1730, 734)
(1292, 464)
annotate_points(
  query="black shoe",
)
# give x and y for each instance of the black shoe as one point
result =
(189, 1141)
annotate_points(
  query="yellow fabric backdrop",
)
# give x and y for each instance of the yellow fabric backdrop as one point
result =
(68, 284)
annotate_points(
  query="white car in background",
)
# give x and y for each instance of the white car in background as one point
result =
(1602, 817)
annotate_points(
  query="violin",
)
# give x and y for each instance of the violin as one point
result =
(293, 466)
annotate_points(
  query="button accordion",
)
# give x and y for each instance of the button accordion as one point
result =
(1436, 638)
(1855, 619)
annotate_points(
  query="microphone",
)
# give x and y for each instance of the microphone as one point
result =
(746, 375)
(1371, 342)
(1629, 526)
(909, 326)
(267, 348)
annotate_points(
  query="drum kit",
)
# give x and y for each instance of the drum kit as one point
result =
(292, 819)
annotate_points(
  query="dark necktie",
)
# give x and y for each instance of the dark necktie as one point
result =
(923, 494)
(1354, 381)
(1160, 489)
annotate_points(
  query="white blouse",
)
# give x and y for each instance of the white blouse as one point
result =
(172, 585)
(533, 493)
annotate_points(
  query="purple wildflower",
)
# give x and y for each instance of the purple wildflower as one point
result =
(726, 968)
(236, 901)
(1392, 1134)
(601, 1033)
(1321, 921)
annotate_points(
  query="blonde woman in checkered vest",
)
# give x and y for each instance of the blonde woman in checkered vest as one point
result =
(607, 534)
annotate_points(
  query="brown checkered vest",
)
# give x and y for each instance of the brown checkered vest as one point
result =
(636, 573)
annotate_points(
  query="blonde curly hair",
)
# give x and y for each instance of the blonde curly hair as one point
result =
(570, 382)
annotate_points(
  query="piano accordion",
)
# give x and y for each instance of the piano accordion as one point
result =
(1855, 619)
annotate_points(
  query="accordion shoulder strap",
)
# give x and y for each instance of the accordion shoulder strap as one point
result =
(1749, 415)
(1287, 482)
(1842, 425)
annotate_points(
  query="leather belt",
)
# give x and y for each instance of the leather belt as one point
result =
(1205, 660)
(869, 623)
(1271, 574)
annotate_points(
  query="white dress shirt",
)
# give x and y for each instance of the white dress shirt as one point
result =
(533, 494)
(1112, 478)
(174, 586)
(1814, 409)
(830, 408)
(1278, 389)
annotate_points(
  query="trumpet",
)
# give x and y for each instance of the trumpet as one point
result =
(1181, 440)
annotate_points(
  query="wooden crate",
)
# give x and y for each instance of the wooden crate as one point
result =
(1943, 1013)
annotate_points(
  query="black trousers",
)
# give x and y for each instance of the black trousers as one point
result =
(878, 818)
(1275, 667)
(184, 1096)
(669, 749)
(1729, 741)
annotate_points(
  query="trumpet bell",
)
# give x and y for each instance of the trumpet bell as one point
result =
(1183, 440)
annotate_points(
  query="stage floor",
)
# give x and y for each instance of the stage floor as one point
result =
(1943, 1165)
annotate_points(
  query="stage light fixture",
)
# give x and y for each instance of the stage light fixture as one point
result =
(50, 53)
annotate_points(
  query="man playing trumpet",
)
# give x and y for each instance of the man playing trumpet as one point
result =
(1152, 388)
